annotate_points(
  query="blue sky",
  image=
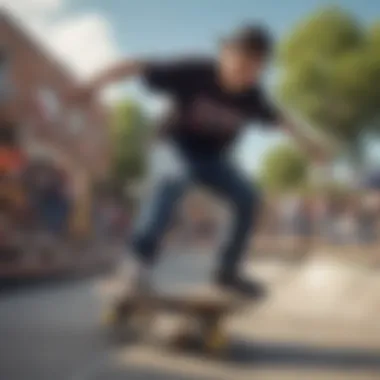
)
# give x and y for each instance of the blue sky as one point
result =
(165, 26)
(169, 27)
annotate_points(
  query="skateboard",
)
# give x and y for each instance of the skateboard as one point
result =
(202, 318)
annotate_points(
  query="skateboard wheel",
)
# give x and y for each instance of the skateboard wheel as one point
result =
(216, 341)
(110, 317)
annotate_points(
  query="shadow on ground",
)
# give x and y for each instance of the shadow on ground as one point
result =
(247, 353)
(264, 356)
(277, 358)
(146, 374)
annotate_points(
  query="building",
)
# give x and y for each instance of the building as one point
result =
(72, 138)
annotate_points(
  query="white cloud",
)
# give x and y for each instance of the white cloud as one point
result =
(25, 7)
(83, 42)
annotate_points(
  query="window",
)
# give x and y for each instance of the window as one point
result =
(77, 121)
(8, 135)
(5, 83)
(49, 103)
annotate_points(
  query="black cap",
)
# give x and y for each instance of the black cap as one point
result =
(252, 39)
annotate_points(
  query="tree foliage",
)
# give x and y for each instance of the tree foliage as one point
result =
(330, 66)
(130, 133)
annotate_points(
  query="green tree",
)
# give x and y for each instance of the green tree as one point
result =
(330, 74)
(285, 167)
(130, 133)
(374, 40)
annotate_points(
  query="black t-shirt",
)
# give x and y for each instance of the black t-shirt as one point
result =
(205, 119)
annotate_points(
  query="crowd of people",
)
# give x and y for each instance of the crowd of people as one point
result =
(340, 219)
(292, 223)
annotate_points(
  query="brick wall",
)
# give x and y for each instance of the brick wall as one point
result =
(74, 138)
(79, 134)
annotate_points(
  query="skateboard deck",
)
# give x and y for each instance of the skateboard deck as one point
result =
(203, 313)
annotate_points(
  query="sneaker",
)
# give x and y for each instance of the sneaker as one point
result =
(245, 287)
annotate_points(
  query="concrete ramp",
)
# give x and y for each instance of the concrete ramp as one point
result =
(322, 287)
(325, 287)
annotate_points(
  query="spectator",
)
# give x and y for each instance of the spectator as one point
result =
(367, 220)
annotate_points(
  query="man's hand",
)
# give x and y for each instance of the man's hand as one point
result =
(320, 155)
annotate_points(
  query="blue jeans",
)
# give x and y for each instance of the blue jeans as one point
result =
(219, 175)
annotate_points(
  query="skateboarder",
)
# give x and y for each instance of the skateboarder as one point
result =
(213, 99)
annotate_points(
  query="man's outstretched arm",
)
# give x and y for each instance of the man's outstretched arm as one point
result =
(120, 71)
(317, 145)
(172, 76)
